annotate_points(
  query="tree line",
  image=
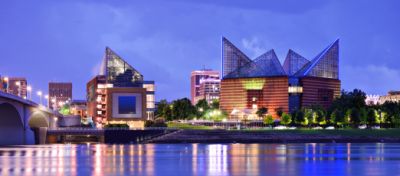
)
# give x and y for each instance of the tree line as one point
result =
(182, 109)
(348, 110)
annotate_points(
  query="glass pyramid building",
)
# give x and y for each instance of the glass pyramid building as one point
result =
(235, 64)
(118, 72)
(264, 82)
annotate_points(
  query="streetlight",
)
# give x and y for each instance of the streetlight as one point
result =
(29, 89)
(39, 93)
(6, 80)
(53, 103)
(47, 100)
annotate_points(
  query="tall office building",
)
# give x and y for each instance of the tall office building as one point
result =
(196, 76)
(59, 94)
(119, 94)
(209, 89)
(263, 82)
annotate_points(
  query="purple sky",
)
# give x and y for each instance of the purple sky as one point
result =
(64, 40)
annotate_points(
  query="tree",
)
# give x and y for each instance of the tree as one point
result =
(337, 117)
(279, 111)
(371, 117)
(201, 107)
(215, 104)
(268, 120)
(320, 116)
(65, 110)
(183, 109)
(299, 117)
(262, 111)
(355, 117)
(215, 115)
(349, 100)
(391, 113)
(363, 116)
(286, 119)
(309, 116)
(164, 110)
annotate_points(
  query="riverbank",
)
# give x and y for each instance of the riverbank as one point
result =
(280, 136)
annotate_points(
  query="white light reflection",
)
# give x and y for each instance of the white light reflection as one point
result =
(98, 167)
(217, 160)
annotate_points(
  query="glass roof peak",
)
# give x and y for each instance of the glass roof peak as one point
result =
(235, 64)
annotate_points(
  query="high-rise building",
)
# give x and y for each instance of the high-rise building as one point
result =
(150, 98)
(60, 93)
(195, 78)
(209, 89)
(248, 85)
(16, 86)
(119, 94)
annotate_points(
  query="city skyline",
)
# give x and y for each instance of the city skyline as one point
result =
(53, 42)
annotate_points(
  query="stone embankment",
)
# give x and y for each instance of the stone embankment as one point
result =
(237, 136)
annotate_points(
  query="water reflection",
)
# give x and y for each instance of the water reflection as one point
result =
(202, 159)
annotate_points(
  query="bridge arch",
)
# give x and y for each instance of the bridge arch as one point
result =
(11, 126)
(38, 119)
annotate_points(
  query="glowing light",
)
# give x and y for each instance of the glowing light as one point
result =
(39, 93)
(295, 89)
(253, 84)
(29, 88)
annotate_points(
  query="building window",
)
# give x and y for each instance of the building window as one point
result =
(295, 89)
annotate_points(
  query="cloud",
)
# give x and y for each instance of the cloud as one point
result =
(373, 79)
(254, 46)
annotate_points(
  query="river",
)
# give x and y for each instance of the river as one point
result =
(202, 159)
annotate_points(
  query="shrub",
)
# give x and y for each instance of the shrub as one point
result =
(116, 126)
(286, 119)
(159, 122)
(268, 120)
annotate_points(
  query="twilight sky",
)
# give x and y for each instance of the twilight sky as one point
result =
(64, 40)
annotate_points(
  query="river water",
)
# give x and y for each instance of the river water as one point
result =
(202, 159)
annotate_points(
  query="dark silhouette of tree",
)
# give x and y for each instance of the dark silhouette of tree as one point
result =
(262, 111)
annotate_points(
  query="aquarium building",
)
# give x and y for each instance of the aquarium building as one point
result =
(248, 85)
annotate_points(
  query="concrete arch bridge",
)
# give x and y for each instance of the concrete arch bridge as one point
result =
(19, 118)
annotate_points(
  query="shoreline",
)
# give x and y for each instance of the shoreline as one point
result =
(231, 136)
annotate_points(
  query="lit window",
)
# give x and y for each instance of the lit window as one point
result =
(295, 89)
(254, 106)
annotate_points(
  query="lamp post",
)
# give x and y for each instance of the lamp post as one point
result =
(53, 103)
(47, 100)
(39, 93)
(6, 80)
(29, 89)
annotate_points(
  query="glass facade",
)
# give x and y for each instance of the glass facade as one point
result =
(232, 57)
(324, 65)
(294, 62)
(118, 71)
(309, 82)
(235, 64)
(265, 65)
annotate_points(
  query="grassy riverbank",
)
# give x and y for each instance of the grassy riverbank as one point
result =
(205, 134)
